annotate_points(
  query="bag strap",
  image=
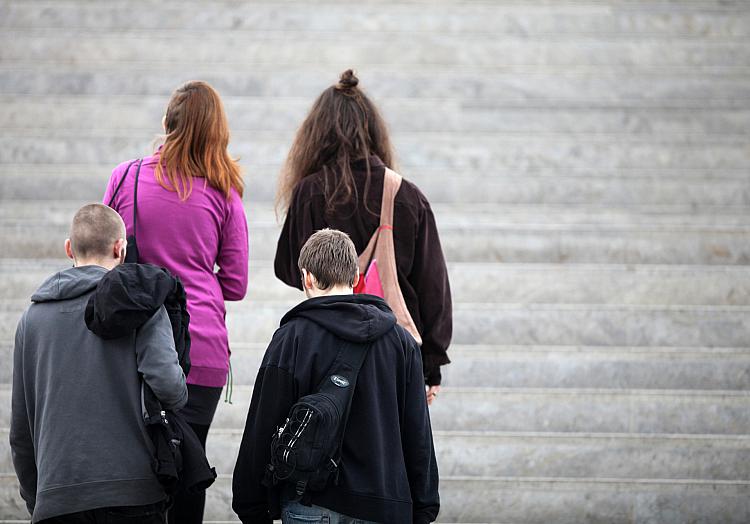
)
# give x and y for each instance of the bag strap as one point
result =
(341, 380)
(119, 184)
(135, 197)
(391, 185)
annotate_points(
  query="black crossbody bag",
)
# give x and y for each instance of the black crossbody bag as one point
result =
(306, 449)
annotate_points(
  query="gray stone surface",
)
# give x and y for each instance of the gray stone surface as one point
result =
(610, 187)
(532, 324)
(703, 21)
(472, 499)
(491, 51)
(556, 410)
(587, 161)
(249, 115)
(494, 283)
(685, 89)
(480, 151)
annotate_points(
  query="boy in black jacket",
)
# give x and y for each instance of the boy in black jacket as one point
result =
(388, 471)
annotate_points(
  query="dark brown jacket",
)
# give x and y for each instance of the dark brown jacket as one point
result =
(422, 273)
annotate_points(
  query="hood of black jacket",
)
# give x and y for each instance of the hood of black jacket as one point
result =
(356, 318)
(126, 297)
(69, 283)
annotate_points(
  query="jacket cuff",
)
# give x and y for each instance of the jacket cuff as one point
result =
(431, 367)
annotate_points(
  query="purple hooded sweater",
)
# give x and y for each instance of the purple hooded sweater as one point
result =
(191, 238)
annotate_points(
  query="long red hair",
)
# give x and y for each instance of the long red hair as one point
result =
(197, 136)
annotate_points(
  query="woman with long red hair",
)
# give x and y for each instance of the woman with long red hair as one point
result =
(190, 219)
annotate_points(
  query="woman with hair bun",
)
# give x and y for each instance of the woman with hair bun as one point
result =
(190, 219)
(333, 178)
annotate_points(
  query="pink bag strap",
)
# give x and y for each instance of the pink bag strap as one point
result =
(391, 185)
(382, 248)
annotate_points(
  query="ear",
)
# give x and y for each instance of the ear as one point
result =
(164, 122)
(119, 250)
(69, 249)
(308, 281)
(356, 279)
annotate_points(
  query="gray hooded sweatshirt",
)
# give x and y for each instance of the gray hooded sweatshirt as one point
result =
(77, 434)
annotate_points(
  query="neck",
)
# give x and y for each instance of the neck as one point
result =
(106, 264)
(334, 290)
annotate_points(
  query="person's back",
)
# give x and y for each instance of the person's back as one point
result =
(388, 471)
(333, 178)
(190, 220)
(77, 432)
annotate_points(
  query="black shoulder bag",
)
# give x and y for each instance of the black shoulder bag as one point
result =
(306, 450)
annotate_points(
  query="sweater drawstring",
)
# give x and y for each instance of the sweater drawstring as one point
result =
(230, 385)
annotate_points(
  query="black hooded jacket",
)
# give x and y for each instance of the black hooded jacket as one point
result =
(388, 468)
(125, 299)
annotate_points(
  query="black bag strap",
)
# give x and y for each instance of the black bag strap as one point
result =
(135, 189)
(135, 197)
(341, 380)
(119, 184)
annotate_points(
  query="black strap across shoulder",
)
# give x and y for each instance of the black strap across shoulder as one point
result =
(132, 252)
(341, 378)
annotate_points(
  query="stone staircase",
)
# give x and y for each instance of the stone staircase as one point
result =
(589, 165)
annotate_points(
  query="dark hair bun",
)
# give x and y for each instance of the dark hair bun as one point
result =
(348, 80)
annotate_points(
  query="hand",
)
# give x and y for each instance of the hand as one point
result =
(432, 393)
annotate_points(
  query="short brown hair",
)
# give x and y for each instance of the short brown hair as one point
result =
(330, 256)
(94, 231)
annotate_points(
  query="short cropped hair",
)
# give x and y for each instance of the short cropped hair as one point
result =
(94, 231)
(330, 256)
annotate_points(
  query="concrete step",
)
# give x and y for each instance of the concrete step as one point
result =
(495, 283)
(529, 234)
(705, 21)
(247, 115)
(489, 215)
(469, 151)
(479, 51)
(512, 243)
(498, 454)
(514, 86)
(554, 409)
(550, 366)
(523, 324)
(535, 501)
(610, 187)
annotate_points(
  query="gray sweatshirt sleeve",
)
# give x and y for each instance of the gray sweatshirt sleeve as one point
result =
(157, 361)
(21, 441)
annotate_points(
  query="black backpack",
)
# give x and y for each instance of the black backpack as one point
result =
(306, 449)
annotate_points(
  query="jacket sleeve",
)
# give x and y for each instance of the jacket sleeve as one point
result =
(157, 361)
(429, 276)
(419, 453)
(273, 396)
(298, 226)
(21, 441)
(233, 252)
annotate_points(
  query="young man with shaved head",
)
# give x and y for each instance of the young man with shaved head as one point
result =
(79, 444)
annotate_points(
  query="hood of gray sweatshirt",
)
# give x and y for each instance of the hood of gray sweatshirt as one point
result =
(77, 435)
